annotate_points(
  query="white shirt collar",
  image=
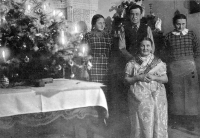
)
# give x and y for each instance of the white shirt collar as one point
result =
(138, 25)
(184, 32)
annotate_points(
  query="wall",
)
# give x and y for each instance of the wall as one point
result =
(164, 9)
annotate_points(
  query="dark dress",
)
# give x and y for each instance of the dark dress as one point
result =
(100, 44)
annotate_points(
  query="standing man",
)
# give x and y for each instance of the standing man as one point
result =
(134, 32)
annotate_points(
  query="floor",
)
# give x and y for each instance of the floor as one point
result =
(122, 130)
(116, 128)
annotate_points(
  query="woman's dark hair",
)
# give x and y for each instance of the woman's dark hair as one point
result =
(147, 39)
(134, 6)
(95, 18)
(178, 16)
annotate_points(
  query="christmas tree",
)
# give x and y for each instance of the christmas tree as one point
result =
(39, 46)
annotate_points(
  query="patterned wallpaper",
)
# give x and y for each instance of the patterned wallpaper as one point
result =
(74, 10)
(83, 10)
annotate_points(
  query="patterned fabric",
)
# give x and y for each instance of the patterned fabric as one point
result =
(100, 45)
(147, 102)
(181, 45)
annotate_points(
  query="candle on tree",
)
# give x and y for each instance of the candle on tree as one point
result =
(63, 37)
(44, 7)
(29, 7)
(54, 13)
(4, 56)
(75, 29)
(83, 51)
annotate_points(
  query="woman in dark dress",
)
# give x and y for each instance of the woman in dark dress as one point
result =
(100, 43)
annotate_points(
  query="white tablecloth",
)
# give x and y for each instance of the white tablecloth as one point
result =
(62, 94)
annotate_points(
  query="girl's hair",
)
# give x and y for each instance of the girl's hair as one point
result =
(95, 18)
(147, 39)
(178, 16)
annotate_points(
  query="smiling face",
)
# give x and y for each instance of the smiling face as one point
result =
(180, 24)
(145, 48)
(100, 24)
(135, 16)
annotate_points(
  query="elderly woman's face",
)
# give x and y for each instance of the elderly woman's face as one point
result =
(100, 24)
(145, 48)
(180, 24)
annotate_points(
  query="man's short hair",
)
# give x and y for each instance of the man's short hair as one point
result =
(135, 6)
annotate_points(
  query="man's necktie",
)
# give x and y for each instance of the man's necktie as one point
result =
(135, 28)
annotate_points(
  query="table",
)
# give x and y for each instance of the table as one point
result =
(35, 106)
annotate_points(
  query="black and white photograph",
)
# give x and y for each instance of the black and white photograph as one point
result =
(194, 6)
(99, 68)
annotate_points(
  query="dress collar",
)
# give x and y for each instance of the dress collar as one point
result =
(184, 32)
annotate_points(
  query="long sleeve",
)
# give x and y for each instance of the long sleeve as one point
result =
(122, 46)
(129, 68)
(196, 47)
(150, 35)
(165, 52)
(111, 44)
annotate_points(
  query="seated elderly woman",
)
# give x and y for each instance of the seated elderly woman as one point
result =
(147, 95)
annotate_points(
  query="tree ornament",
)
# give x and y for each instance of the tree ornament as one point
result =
(71, 63)
(15, 75)
(4, 82)
(35, 48)
(72, 76)
(24, 46)
(26, 59)
(46, 67)
(89, 65)
(58, 67)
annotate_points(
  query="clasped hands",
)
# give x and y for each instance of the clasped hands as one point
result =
(146, 77)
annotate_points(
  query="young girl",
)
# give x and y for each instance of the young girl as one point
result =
(100, 43)
(147, 95)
